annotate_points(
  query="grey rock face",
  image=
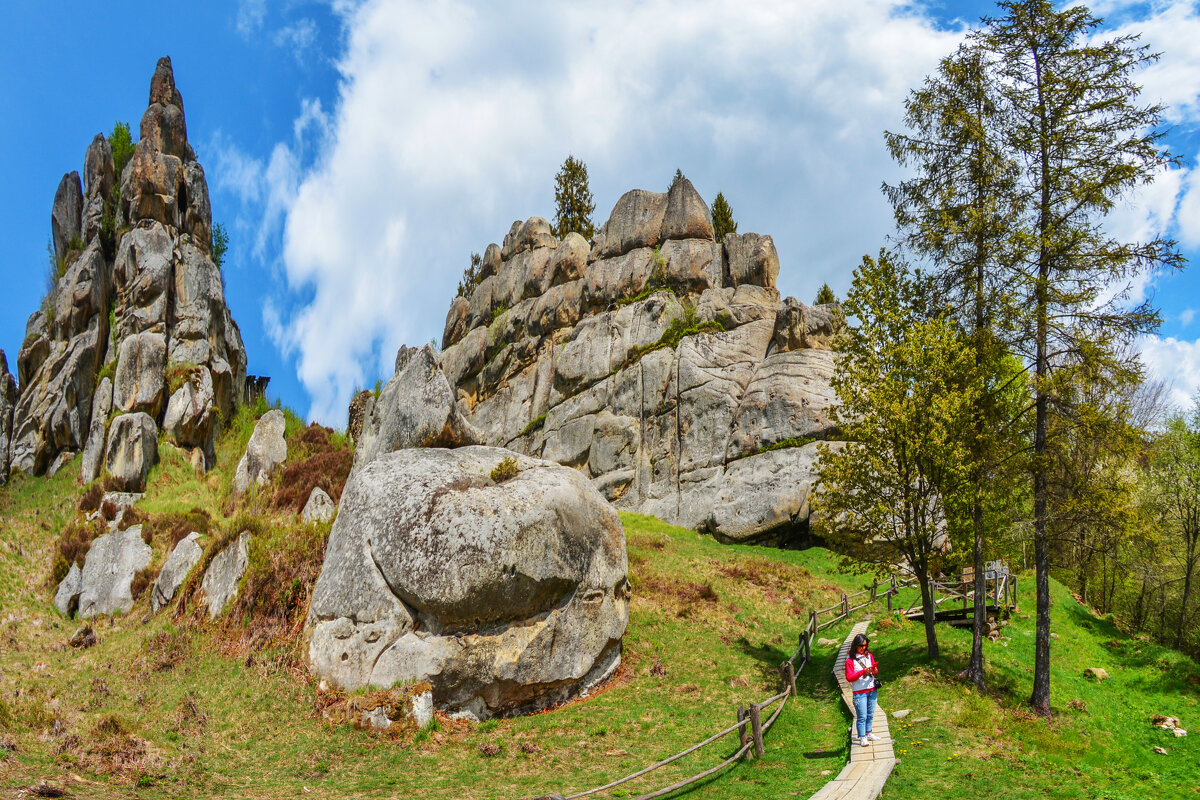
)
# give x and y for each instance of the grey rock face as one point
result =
(220, 585)
(67, 214)
(132, 450)
(191, 413)
(504, 596)
(112, 561)
(98, 183)
(139, 384)
(93, 449)
(66, 599)
(185, 556)
(415, 409)
(265, 452)
(580, 369)
(319, 508)
(52, 410)
(8, 400)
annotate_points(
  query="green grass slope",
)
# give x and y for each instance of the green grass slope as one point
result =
(170, 705)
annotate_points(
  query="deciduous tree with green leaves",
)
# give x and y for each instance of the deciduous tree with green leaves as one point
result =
(573, 203)
(905, 401)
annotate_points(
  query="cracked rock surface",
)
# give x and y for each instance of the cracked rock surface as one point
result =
(506, 596)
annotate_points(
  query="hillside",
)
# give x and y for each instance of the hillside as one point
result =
(167, 705)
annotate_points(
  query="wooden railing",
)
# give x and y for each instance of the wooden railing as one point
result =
(750, 726)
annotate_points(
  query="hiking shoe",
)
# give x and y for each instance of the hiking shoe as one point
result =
(865, 742)
(873, 737)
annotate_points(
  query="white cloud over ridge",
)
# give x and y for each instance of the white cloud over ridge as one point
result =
(452, 118)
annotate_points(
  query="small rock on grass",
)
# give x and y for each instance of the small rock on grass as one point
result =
(1098, 673)
(83, 638)
(827, 642)
(1162, 751)
(902, 713)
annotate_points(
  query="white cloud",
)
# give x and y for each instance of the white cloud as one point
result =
(1173, 29)
(298, 37)
(1186, 316)
(1175, 362)
(1188, 214)
(250, 16)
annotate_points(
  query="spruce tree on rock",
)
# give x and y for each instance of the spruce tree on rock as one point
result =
(722, 218)
(825, 295)
(573, 200)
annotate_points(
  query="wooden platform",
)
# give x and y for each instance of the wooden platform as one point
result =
(869, 767)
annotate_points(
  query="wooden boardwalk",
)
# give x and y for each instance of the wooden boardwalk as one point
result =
(869, 767)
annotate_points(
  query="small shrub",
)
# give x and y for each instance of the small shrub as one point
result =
(507, 468)
(166, 649)
(89, 501)
(141, 581)
(71, 548)
(174, 527)
(489, 749)
(499, 311)
(316, 457)
(179, 373)
(534, 424)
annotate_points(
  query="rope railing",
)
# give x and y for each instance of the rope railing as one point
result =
(750, 726)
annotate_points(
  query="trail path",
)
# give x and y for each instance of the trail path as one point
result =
(869, 767)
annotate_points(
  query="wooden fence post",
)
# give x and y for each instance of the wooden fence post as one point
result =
(741, 718)
(889, 596)
(845, 604)
(756, 729)
(789, 677)
(812, 621)
(874, 590)
(807, 647)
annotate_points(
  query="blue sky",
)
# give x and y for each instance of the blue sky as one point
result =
(358, 151)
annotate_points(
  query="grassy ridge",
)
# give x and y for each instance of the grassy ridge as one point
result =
(176, 707)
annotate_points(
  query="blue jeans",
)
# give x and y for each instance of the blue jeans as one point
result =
(864, 711)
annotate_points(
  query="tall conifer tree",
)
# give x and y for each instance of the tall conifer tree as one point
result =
(573, 203)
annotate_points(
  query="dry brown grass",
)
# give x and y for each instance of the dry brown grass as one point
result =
(314, 460)
(72, 547)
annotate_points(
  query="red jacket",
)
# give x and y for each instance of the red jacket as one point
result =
(860, 679)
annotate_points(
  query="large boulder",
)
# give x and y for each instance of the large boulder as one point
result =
(319, 508)
(416, 408)
(183, 557)
(98, 184)
(66, 597)
(220, 585)
(112, 561)
(132, 450)
(265, 452)
(506, 589)
(636, 221)
(764, 498)
(687, 215)
(752, 259)
(93, 449)
(139, 382)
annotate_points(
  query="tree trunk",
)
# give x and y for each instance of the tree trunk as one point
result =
(929, 610)
(1188, 569)
(974, 671)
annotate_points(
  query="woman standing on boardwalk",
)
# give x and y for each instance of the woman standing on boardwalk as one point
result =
(860, 672)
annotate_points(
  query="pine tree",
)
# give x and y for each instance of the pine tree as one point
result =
(573, 200)
(957, 211)
(722, 218)
(825, 295)
(1072, 120)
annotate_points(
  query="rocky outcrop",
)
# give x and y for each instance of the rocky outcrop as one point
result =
(416, 408)
(183, 557)
(265, 452)
(191, 414)
(93, 449)
(132, 450)
(8, 400)
(507, 592)
(660, 363)
(112, 561)
(220, 585)
(66, 597)
(360, 408)
(139, 296)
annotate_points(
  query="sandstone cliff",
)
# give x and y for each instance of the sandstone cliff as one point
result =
(659, 362)
(138, 310)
